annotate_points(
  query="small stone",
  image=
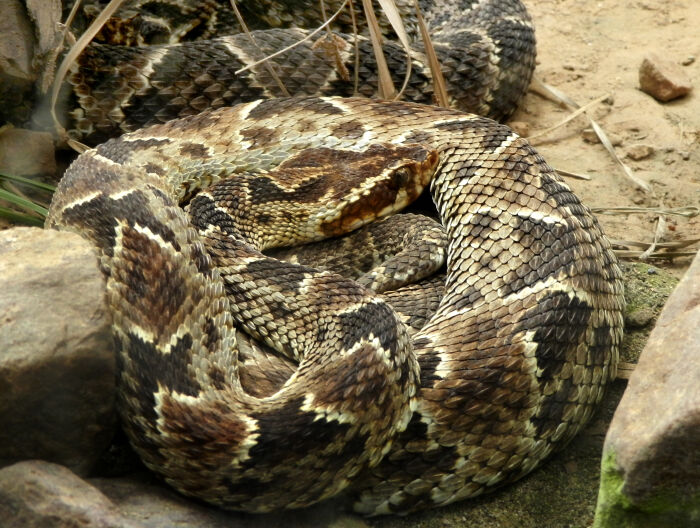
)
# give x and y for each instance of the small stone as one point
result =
(57, 366)
(684, 154)
(520, 127)
(639, 151)
(639, 318)
(571, 466)
(27, 152)
(589, 136)
(662, 79)
(651, 271)
(688, 60)
(40, 494)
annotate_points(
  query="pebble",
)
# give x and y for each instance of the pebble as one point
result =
(640, 318)
(639, 151)
(589, 136)
(663, 79)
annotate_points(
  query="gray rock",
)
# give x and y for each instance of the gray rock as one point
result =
(15, 143)
(651, 458)
(16, 52)
(38, 494)
(150, 504)
(28, 48)
(663, 79)
(57, 368)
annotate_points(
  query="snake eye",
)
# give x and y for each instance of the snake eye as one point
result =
(401, 177)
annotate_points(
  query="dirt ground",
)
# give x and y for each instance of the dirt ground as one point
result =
(589, 49)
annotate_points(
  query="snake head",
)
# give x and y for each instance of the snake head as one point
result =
(377, 182)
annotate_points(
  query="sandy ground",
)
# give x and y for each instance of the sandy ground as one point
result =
(588, 49)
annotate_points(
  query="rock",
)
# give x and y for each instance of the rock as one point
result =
(639, 151)
(651, 457)
(16, 53)
(662, 79)
(589, 136)
(38, 494)
(143, 499)
(28, 48)
(639, 318)
(26, 153)
(57, 367)
(522, 128)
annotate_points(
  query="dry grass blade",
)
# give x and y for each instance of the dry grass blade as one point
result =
(392, 14)
(551, 93)
(77, 145)
(68, 23)
(629, 254)
(687, 212)
(268, 66)
(439, 86)
(356, 39)
(676, 244)
(574, 175)
(279, 52)
(665, 250)
(658, 234)
(570, 117)
(73, 54)
(385, 86)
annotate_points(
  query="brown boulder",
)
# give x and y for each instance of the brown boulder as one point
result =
(57, 367)
(650, 473)
(38, 494)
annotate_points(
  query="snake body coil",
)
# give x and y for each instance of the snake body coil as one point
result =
(509, 366)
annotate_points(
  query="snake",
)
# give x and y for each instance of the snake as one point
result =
(504, 368)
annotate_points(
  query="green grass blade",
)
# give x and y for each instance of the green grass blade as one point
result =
(22, 202)
(20, 218)
(28, 181)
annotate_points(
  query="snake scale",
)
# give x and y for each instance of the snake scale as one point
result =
(505, 368)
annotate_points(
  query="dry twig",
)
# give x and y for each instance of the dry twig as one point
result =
(551, 93)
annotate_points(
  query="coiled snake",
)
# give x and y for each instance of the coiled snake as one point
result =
(508, 368)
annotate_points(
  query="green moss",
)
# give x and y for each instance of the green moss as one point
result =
(671, 507)
(646, 291)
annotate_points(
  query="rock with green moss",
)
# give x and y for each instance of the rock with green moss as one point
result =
(650, 472)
